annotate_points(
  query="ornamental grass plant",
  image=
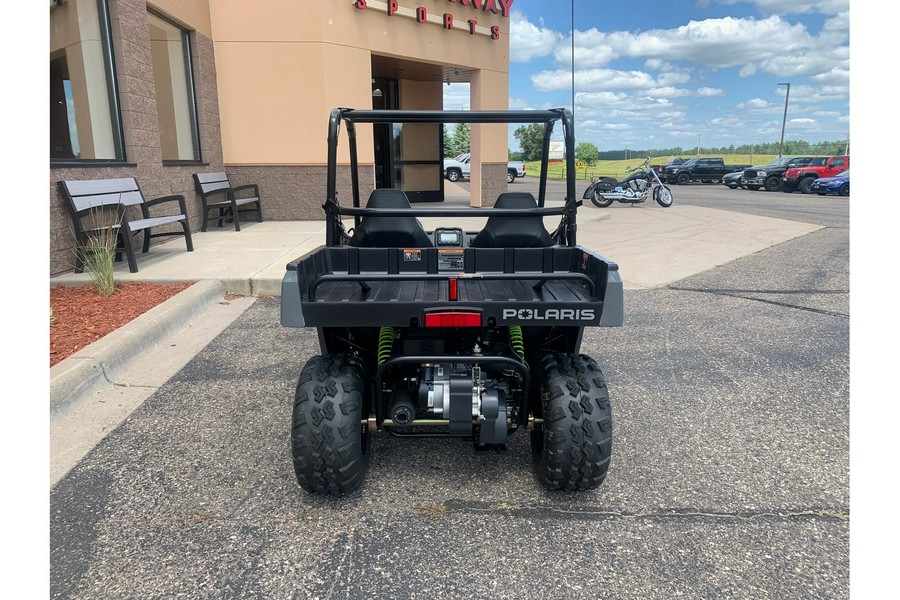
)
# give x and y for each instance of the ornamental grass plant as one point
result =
(97, 250)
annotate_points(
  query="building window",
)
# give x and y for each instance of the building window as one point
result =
(84, 111)
(172, 75)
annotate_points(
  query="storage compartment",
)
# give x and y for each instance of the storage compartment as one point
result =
(343, 286)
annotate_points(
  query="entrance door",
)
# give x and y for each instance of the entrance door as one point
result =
(408, 156)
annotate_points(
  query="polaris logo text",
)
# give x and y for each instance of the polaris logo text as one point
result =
(549, 314)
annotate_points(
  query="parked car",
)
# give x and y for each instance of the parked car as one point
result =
(672, 162)
(706, 170)
(733, 180)
(769, 176)
(836, 184)
(800, 178)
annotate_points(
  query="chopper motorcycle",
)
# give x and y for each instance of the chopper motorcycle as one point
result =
(634, 189)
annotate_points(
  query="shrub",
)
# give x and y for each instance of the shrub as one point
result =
(97, 252)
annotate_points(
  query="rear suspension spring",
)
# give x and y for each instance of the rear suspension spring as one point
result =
(516, 340)
(385, 343)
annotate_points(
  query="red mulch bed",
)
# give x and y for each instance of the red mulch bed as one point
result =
(82, 316)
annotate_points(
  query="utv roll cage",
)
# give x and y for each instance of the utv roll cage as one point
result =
(335, 233)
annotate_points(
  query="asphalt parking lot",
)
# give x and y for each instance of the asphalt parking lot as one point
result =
(729, 476)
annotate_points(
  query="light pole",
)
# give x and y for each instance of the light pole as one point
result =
(784, 120)
(573, 65)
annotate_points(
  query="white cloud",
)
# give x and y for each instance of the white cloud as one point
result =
(754, 104)
(709, 92)
(456, 96)
(593, 79)
(528, 41)
(667, 92)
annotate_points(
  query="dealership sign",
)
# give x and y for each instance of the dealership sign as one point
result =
(445, 20)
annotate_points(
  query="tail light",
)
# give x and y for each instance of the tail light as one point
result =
(453, 319)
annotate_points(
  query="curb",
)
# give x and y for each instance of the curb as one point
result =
(80, 374)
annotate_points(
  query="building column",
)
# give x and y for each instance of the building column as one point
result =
(489, 90)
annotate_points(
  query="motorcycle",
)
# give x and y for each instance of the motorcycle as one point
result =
(634, 189)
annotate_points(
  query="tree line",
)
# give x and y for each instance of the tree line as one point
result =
(531, 142)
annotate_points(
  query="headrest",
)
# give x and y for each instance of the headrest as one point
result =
(388, 198)
(515, 200)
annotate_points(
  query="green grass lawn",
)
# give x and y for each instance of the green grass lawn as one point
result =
(617, 168)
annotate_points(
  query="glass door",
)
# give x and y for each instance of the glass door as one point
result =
(408, 156)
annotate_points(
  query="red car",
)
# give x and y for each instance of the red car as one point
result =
(801, 178)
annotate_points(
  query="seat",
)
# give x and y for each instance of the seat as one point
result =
(514, 232)
(100, 205)
(389, 232)
(216, 185)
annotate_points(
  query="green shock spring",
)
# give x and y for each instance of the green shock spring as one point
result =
(385, 343)
(516, 340)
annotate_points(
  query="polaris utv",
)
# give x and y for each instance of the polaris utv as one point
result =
(450, 332)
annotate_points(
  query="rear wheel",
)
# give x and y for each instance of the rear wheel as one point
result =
(663, 196)
(329, 445)
(572, 447)
(773, 184)
(805, 184)
(510, 176)
(453, 174)
(845, 190)
(599, 200)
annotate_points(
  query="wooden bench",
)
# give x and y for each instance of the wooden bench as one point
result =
(211, 185)
(89, 199)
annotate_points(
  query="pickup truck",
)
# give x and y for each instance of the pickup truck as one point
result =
(800, 178)
(458, 167)
(769, 176)
(661, 169)
(707, 170)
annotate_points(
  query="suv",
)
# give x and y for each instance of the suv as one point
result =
(801, 178)
(450, 333)
(769, 176)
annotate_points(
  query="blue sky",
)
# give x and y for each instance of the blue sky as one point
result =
(664, 73)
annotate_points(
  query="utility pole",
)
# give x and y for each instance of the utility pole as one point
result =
(784, 119)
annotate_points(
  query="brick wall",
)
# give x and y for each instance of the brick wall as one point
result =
(143, 152)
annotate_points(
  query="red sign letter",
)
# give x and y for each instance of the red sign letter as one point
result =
(491, 6)
(448, 21)
(421, 14)
(360, 3)
(472, 24)
(391, 7)
(505, 6)
(495, 32)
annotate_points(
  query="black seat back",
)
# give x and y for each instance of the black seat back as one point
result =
(514, 232)
(389, 232)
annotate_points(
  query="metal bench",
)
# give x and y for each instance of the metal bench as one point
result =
(89, 198)
(211, 185)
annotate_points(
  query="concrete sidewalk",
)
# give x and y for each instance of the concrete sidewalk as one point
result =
(652, 245)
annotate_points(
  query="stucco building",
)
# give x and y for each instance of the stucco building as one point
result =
(161, 90)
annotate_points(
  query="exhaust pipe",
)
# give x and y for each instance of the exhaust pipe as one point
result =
(403, 411)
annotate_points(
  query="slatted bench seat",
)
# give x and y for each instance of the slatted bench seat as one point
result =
(216, 185)
(87, 199)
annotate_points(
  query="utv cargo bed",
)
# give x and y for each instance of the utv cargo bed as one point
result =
(340, 286)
